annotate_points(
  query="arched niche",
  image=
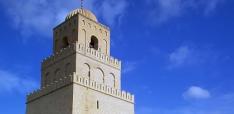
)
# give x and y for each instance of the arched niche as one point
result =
(110, 80)
(105, 46)
(82, 39)
(56, 44)
(85, 72)
(47, 78)
(74, 35)
(98, 75)
(57, 74)
(83, 22)
(67, 70)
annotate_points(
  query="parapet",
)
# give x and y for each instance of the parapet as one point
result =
(83, 81)
(103, 88)
(71, 49)
(79, 48)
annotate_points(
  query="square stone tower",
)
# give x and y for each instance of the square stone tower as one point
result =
(80, 77)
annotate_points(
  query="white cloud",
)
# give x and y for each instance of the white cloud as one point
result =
(112, 11)
(185, 56)
(12, 82)
(219, 104)
(40, 16)
(195, 92)
(169, 8)
(180, 56)
(129, 66)
(166, 9)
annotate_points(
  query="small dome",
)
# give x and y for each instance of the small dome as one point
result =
(83, 12)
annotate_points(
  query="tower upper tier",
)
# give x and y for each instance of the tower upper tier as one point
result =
(82, 26)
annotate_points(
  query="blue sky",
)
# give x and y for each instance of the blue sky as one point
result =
(177, 55)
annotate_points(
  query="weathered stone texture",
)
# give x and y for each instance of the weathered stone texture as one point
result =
(80, 77)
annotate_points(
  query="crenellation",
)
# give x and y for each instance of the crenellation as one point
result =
(82, 81)
(118, 93)
(75, 47)
(107, 89)
(128, 95)
(123, 94)
(112, 91)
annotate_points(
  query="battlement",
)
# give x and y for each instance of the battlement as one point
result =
(75, 79)
(79, 48)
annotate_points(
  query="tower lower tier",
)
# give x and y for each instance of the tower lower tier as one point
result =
(77, 95)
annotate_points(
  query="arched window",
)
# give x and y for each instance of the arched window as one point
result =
(65, 42)
(94, 43)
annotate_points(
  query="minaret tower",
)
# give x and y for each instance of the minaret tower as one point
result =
(80, 77)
